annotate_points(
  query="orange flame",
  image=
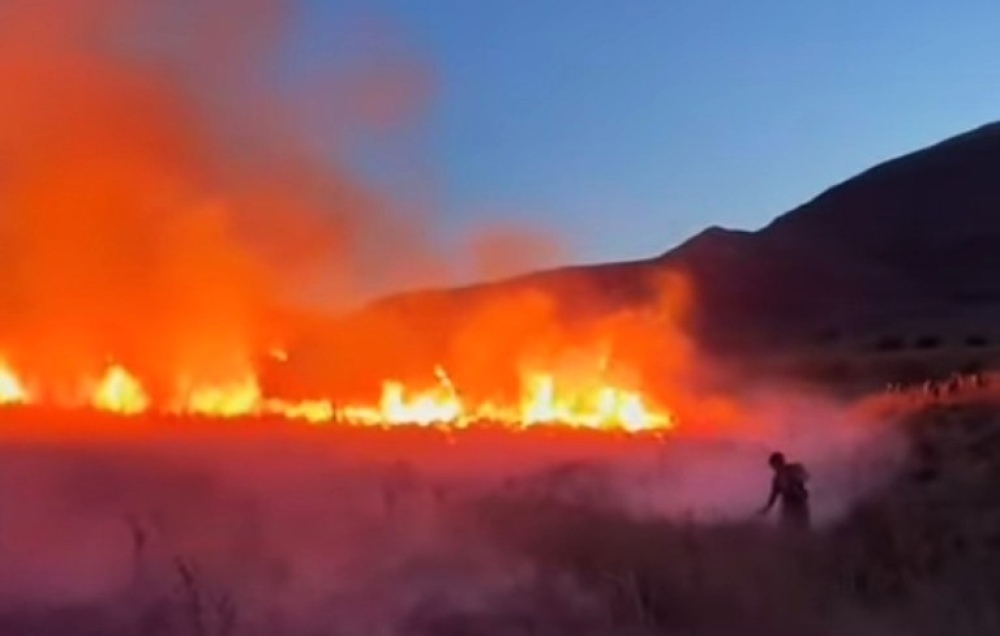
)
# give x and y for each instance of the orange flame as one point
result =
(227, 399)
(544, 401)
(12, 391)
(120, 392)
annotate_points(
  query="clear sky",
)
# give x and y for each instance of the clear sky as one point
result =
(628, 125)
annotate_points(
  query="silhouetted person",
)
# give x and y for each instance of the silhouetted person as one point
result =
(789, 485)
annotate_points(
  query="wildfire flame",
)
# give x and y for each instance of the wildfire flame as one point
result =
(543, 401)
(119, 392)
(166, 272)
(11, 389)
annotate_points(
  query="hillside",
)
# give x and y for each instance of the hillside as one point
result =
(917, 233)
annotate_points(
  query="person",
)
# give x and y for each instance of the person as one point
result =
(789, 485)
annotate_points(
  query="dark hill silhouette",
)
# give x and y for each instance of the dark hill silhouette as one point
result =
(930, 217)
(915, 234)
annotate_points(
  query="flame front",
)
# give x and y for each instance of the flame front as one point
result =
(12, 391)
(119, 392)
(224, 399)
(543, 401)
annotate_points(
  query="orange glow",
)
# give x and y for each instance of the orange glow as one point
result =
(599, 407)
(439, 405)
(11, 389)
(543, 401)
(511, 362)
(312, 411)
(225, 399)
(119, 392)
(230, 280)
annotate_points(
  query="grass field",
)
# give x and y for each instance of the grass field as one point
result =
(179, 528)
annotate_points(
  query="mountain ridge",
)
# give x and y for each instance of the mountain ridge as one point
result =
(915, 231)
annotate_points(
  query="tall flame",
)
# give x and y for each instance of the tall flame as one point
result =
(226, 399)
(543, 402)
(120, 392)
(12, 391)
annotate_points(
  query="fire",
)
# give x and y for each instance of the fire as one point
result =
(11, 389)
(544, 401)
(438, 405)
(601, 407)
(598, 407)
(312, 411)
(193, 261)
(228, 399)
(119, 392)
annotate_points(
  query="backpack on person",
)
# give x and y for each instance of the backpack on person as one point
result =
(795, 485)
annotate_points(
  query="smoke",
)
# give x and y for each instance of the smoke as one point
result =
(167, 190)
(505, 252)
(356, 530)
(491, 337)
(163, 206)
(163, 203)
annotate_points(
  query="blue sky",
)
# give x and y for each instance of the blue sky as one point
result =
(625, 126)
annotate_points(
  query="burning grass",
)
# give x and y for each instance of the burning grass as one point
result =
(167, 226)
(163, 226)
(542, 401)
(167, 221)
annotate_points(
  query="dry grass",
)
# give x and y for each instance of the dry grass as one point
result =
(664, 577)
(921, 557)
